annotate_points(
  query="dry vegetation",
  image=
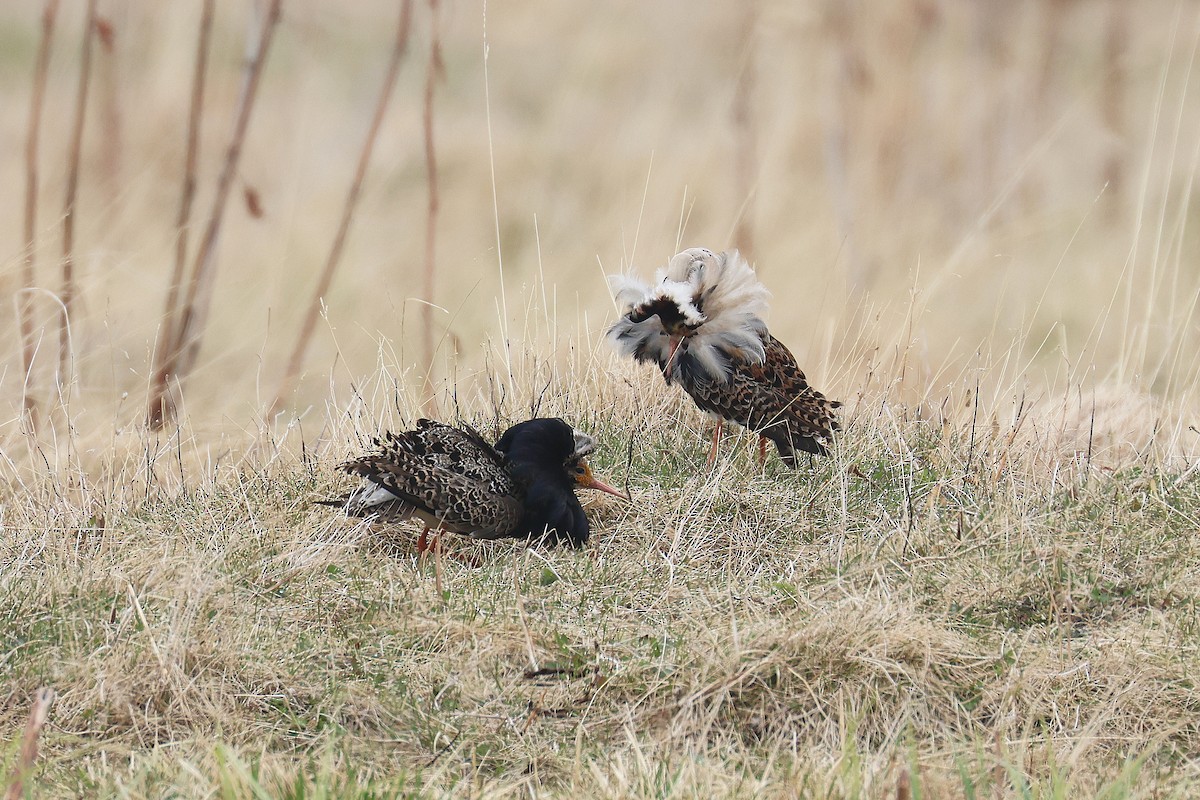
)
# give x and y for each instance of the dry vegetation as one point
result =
(977, 222)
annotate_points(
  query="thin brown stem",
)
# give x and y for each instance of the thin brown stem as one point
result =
(39, 712)
(308, 325)
(159, 388)
(194, 311)
(843, 100)
(744, 134)
(25, 306)
(74, 158)
(108, 96)
(433, 71)
(1116, 39)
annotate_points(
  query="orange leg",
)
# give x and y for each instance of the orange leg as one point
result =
(716, 440)
(436, 546)
(433, 544)
(762, 450)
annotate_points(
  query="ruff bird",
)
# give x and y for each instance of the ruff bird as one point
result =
(702, 325)
(452, 479)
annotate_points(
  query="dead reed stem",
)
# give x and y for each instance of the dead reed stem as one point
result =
(842, 102)
(194, 311)
(108, 91)
(74, 157)
(1115, 41)
(308, 325)
(745, 134)
(159, 388)
(38, 714)
(990, 53)
(432, 73)
(1052, 36)
(25, 305)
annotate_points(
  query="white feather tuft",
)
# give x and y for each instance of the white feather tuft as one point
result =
(643, 341)
(584, 443)
(372, 494)
(721, 300)
(723, 284)
(628, 291)
(683, 296)
(726, 290)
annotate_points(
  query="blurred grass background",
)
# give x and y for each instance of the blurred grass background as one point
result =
(968, 184)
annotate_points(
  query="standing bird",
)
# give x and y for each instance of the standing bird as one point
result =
(702, 325)
(452, 479)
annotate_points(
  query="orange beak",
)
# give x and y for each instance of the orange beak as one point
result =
(675, 342)
(587, 480)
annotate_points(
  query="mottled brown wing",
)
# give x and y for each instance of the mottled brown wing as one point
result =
(772, 398)
(446, 474)
(784, 392)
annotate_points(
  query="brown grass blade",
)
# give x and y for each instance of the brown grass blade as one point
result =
(432, 72)
(159, 387)
(309, 323)
(194, 312)
(74, 157)
(38, 714)
(25, 305)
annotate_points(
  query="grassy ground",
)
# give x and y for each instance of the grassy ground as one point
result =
(978, 226)
(955, 605)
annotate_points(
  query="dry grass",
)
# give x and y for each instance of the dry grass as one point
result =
(1027, 622)
(988, 590)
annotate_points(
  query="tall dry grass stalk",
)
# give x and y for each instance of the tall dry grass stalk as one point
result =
(1116, 41)
(433, 72)
(39, 712)
(308, 325)
(744, 132)
(193, 313)
(159, 386)
(842, 99)
(25, 302)
(74, 156)
(112, 143)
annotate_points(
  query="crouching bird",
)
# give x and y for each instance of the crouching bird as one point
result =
(452, 479)
(702, 325)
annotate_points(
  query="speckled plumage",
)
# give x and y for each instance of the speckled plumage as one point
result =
(702, 326)
(772, 398)
(452, 478)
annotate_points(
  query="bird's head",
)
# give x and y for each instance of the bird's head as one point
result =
(550, 445)
(693, 267)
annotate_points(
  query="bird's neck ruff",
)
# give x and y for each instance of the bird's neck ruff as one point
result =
(677, 318)
(710, 305)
